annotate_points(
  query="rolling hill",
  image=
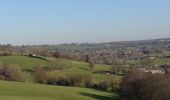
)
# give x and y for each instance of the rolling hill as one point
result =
(28, 63)
(28, 90)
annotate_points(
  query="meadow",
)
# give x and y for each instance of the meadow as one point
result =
(30, 91)
(28, 63)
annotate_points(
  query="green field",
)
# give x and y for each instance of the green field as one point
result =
(29, 91)
(23, 61)
(27, 63)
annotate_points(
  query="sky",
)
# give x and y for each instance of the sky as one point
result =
(66, 21)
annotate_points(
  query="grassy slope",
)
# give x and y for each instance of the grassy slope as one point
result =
(28, 63)
(162, 61)
(28, 91)
(77, 66)
(23, 61)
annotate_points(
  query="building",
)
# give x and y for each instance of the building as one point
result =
(153, 70)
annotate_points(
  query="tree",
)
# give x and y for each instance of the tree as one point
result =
(147, 62)
(56, 54)
(10, 73)
(89, 61)
(144, 86)
(87, 58)
(91, 64)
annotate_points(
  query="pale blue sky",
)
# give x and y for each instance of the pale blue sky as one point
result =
(60, 21)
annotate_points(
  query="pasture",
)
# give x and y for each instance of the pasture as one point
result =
(29, 91)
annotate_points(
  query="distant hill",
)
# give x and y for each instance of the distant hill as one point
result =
(107, 45)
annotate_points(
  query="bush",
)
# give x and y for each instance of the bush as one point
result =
(5, 54)
(10, 73)
(56, 65)
(54, 78)
(80, 80)
(88, 80)
(144, 86)
(104, 85)
(112, 84)
(119, 69)
(40, 75)
(2, 77)
(75, 79)
(115, 83)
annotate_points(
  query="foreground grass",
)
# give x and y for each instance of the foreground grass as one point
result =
(29, 91)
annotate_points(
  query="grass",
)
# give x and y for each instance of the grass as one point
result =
(27, 63)
(162, 61)
(23, 61)
(29, 91)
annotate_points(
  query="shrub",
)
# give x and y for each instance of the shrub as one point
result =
(88, 80)
(2, 77)
(81, 80)
(57, 65)
(147, 62)
(75, 79)
(104, 85)
(5, 54)
(115, 83)
(53, 78)
(119, 69)
(112, 84)
(144, 86)
(10, 73)
(40, 74)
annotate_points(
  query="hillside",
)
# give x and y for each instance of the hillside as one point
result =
(29, 91)
(27, 64)
(23, 61)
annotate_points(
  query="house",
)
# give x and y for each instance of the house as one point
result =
(32, 55)
(151, 58)
(153, 70)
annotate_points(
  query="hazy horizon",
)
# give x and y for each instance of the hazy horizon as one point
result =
(37, 22)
